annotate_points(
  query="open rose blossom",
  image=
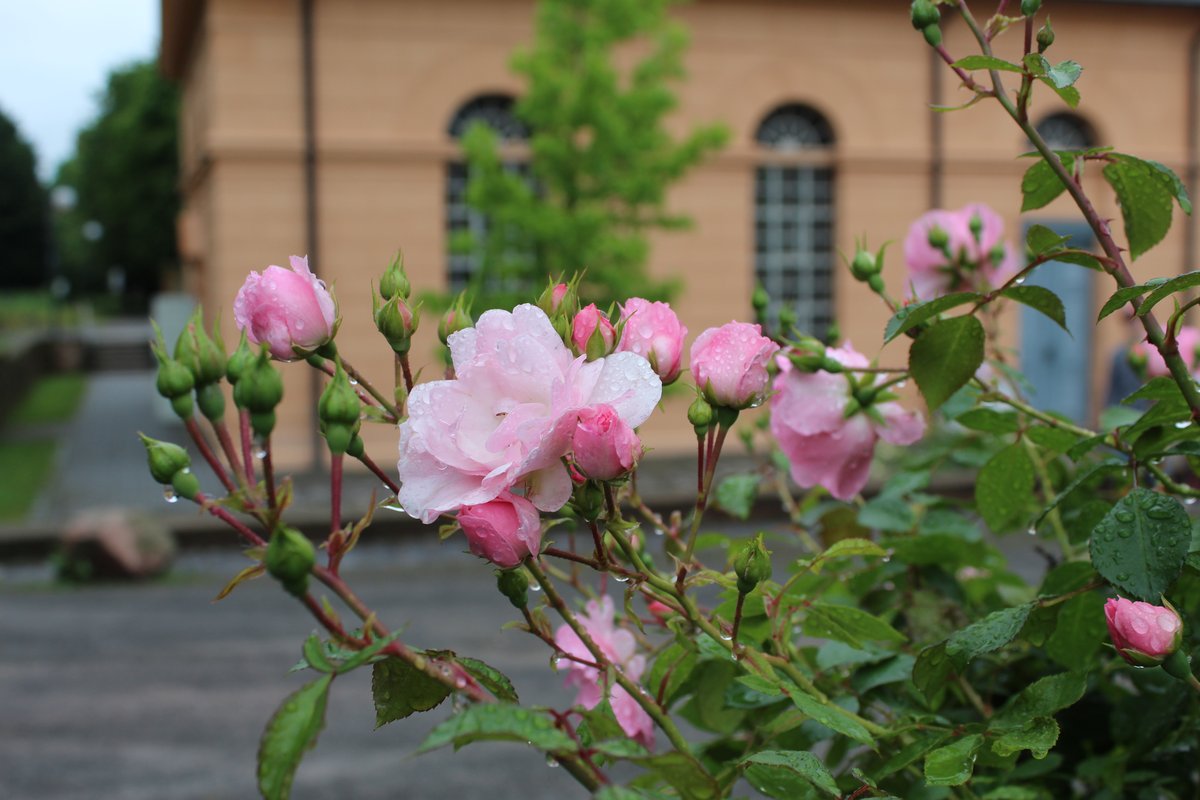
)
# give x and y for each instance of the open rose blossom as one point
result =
(289, 309)
(618, 646)
(509, 416)
(604, 446)
(653, 331)
(503, 531)
(729, 364)
(823, 445)
(1144, 634)
(974, 255)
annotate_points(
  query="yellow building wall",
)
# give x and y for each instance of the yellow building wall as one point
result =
(390, 75)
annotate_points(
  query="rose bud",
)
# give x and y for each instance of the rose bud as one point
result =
(605, 446)
(504, 530)
(653, 331)
(1144, 634)
(289, 310)
(729, 364)
(592, 333)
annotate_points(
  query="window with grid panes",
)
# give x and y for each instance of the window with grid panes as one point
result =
(495, 111)
(793, 218)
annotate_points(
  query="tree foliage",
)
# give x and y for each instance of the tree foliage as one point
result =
(601, 160)
(23, 222)
(125, 177)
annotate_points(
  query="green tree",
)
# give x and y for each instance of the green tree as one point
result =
(23, 212)
(601, 160)
(125, 175)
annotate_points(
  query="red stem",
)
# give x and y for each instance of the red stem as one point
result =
(247, 444)
(269, 473)
(207, 503)
(227, 446)
(383, 476)
(209, 456)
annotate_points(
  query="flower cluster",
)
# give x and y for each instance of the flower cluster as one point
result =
(962, 250)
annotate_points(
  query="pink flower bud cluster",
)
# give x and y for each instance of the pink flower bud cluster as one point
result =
(963, 250)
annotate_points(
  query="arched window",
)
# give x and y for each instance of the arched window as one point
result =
(463, 222)
(1067, 131)
(793, 215)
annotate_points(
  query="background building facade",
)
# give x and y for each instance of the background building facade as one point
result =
(329, 127)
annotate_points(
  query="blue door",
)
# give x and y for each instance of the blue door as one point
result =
(1058, 365)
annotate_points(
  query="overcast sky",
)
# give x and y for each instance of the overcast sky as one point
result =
(54, 58)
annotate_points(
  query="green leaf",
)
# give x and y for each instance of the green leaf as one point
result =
(846, 548)
(1040, 299)
(1042, 698)
(1040, 240)
(1122, 296)
(829, 716)
(953, 764)
(945, 357)
(1040, 185)
(684, 773)
(291, 732)
(988, 634)
(1177, 188)
(1176, 284)
(489, 678)
(847, 624)
(1069, 94)
(1004, 486)
(887, 514)
(989, 420)
(1038, 736)
(624, 793)
(736, 494)
(1157, 388)
(499, 722)
(893, 670)
(1079, 633)
(987, 62)
(1140, 545)
(922, 744)
(314, 654)
(909, 316)
(400, 690)
(1145, 201)
(1064, 74)
(787, 773)
(1051, 439)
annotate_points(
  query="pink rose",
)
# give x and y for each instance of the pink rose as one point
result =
(1188, 340)
(509, 415)
(290, 310)
(1144, 634)
(654, 332)
(729, 364)
(504, 530)
(605, 447)
(823, 445)
(618, 647)
(961, 259)
(587, 322)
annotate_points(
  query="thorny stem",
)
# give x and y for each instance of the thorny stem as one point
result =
(406, 372)
(355, 375)
(705, 487)
(210, 505)
(198, 437)
(269, 474)
(1039, 467)
(231, 455)
(335, 492)
(329, 623)
(379, 473)
(1116, 266)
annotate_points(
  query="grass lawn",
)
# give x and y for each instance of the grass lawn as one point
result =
(25, 467)
(52, 399)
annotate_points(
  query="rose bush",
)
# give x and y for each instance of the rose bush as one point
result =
(875, 641)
